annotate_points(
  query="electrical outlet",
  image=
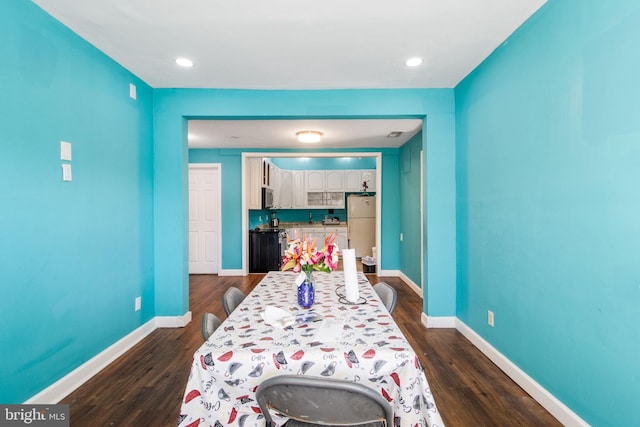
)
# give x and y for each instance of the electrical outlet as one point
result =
(259, 219)
(401, 236)
(138, 304)
(490, 318)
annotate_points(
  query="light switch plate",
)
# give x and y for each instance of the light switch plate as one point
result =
(132, 91)
(65, 150)
(66, 172)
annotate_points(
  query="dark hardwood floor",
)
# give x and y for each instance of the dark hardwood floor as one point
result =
(144, 387)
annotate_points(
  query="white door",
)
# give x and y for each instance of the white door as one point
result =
(204, 218)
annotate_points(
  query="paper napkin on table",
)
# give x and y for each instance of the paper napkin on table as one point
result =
(275, 316)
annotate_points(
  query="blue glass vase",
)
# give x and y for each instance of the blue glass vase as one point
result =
(306, 292)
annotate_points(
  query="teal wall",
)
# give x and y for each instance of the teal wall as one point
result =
(73, 255)
(409, 212)
(548, 155)
(174, 106)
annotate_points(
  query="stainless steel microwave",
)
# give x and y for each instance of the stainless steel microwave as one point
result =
(267, 198)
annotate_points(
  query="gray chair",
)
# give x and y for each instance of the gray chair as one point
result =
(387, 294)
(231, 299)
(317, 401)
(210, 323)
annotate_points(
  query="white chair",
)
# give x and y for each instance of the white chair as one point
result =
(317, 401)
(210, 323)
(231, 299)
(387, 294)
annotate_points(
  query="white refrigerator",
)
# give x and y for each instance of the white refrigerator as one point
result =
(361, 224)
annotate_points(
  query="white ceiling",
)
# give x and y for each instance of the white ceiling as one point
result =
(282, 133)
(295, 44)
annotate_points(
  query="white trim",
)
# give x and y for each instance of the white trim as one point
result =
(173, 321)
(438, 321)
(412, 285)
(231, 273)
(558, 409)
(422, 279)
(388, 273)
(74, 379)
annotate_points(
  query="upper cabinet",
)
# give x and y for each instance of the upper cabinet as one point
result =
(254, 179)
(354, 180)
(324, 180)
(299, 195)
(334, 180)
(369, 176)
(304, 189)
(285, 191)
(314, 180)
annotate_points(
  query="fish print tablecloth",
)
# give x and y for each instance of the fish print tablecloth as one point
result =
(244, 351)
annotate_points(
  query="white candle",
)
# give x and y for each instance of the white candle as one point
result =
(350, 275)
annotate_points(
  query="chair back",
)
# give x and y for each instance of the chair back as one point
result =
(210, 323)
(308, 400)
(231, 299)
(387, 294)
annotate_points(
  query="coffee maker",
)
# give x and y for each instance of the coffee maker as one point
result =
(275, 222)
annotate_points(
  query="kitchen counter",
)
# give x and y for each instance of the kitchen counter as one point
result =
(267, 229)
(287, 225)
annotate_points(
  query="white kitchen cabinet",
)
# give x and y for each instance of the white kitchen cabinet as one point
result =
(369, 176)
(285, 200)
(353, 180)
(273, 172)
(317, 233)
(275, 185)
(314, 180)
(254, 178)
(341, 235)
(325, 200)
(299, 196)
(334, 180)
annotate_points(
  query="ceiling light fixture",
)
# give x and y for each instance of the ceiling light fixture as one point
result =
(413, 62)
(309, 136)
(184, 62)
(394, 134)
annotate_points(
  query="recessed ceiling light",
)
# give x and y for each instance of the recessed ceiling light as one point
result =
(309, 136)
(184, 62)
(413, 62)
(394, 134)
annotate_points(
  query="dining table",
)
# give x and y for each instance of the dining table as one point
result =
(355, 340)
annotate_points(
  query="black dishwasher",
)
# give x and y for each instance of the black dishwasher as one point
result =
(264, 250)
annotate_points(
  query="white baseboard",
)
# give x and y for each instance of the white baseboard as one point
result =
(173, 321)
(558, 409)
(438, 321)
(74, 379)
(230, 273)
(388, 273)
(417, 289)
